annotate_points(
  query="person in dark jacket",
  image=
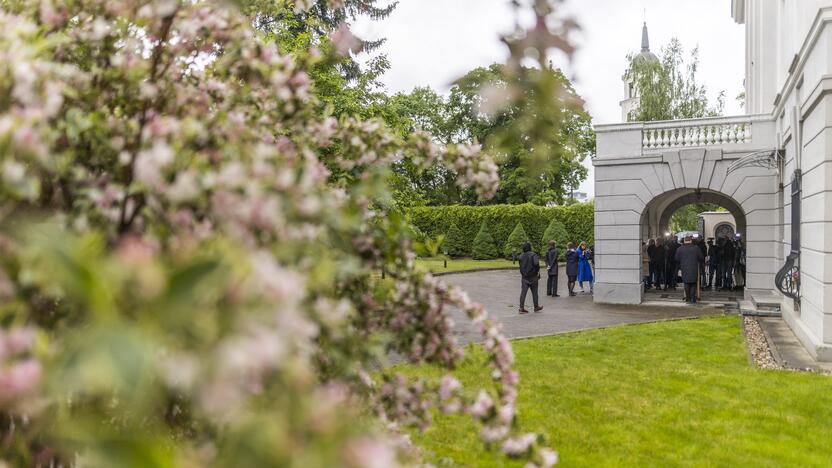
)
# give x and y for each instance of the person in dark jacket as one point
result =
(552, 270)
(690, 259)
(713, 264)
(672, 266)
(651, 250)
(530, 274)
(571, 267)
(727, 263)
(699, 242)
(659, 260)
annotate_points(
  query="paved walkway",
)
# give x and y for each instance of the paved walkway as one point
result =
(499, 292)
(786, 349)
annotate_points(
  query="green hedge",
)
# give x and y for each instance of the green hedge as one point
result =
(578, 219)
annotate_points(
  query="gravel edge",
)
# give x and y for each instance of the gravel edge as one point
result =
(758, 347)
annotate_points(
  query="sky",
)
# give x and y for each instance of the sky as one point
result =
(433, 42)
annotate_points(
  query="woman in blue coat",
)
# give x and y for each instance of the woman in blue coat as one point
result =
(584, 268)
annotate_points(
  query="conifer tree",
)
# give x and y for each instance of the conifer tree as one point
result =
(484, 247)
(556, 231)
(455, 244)
(514, 244)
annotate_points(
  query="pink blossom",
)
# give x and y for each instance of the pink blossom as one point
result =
(17, 341)
(369, 453)
(19, 380)
(548, 458)
(518, 445)
(482, 405)
(344, 41)
(447, 387)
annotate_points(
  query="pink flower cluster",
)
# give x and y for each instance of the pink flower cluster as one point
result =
(20, 373)
(188, 166)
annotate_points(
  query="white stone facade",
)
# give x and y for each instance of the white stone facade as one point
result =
(644, 171)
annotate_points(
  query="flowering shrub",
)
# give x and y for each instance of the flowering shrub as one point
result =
(182, 280)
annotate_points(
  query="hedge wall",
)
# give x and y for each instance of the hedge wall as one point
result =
(579, 220)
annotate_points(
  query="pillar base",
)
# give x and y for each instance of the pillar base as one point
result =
(616, 293)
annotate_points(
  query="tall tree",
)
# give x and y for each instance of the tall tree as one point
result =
(538, 163)
(319, 19)
(668, 88)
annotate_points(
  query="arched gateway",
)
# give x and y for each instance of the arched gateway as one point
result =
(644, 172)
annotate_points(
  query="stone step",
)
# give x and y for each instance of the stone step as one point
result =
(765, 302)
(749, 308)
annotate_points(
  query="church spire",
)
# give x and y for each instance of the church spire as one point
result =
(645, 41)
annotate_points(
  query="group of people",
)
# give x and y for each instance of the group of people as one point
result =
(579, 263)
(720, 264)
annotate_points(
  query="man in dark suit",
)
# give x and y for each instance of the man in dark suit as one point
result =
(530, 274)
(552, 269)
(690, 258)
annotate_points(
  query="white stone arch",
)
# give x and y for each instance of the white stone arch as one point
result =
(636, 196)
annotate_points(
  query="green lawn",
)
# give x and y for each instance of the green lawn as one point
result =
(665, 394)
(436, 264)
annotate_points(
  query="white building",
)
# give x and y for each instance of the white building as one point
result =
(771, 168)
(716, 224)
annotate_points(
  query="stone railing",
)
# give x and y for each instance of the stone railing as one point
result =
(700, 132)
(741, 134)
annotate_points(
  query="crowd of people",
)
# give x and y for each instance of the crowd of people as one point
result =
(722, 265)
(579, 265)
(717, 264)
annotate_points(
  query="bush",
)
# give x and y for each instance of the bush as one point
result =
(484, 247)
(514, 244)
(556, 232)
(456, 245)
(578, 220)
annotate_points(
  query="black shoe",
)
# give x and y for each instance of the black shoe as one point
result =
(556, 295)
(538, 308)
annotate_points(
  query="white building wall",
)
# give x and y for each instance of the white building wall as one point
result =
(802, 77)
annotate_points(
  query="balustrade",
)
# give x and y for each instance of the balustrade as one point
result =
(695, 135)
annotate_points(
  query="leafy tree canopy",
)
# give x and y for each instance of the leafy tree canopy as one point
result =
(686, 218)
(669, 89)
(539, 159)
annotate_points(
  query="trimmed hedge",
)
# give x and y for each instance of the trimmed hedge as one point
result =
(578, 219)
(484, 247)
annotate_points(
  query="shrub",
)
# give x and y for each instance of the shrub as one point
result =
(577, 219)
(514, 244)
(191, 281)
(484, 247)
(456, 245)
(556, 232)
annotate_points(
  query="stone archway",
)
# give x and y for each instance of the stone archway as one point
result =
(636, 196)
(655, 219)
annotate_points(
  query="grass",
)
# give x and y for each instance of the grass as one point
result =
(675, 393)
(437, 265)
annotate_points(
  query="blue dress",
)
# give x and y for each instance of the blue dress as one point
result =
(584, 269)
